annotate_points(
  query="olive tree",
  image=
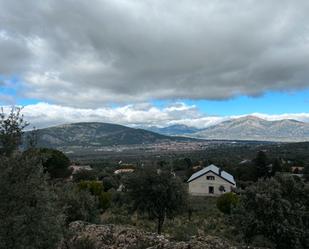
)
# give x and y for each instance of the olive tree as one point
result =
(159, 194)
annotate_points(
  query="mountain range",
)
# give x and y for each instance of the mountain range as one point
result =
(94, 134)
(247, 128)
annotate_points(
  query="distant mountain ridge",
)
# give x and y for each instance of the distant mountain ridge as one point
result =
(95, 134)
(174, 130)
(254, 128)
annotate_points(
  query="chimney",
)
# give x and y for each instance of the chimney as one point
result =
(220, 170)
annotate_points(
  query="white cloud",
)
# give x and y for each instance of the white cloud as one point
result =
(304, 117)
(43, 115)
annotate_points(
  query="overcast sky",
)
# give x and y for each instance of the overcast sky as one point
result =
(131, 62)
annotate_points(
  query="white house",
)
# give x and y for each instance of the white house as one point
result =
(211, 181)
(121, 171)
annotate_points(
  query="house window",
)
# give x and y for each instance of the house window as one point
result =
(211, 190)
(210, 178)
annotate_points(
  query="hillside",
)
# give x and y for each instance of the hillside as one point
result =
(97, 134)
(253, 128)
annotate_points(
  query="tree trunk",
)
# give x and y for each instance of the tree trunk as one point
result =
(160, 224)
(189, 214)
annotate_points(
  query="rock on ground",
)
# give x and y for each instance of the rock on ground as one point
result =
(126, 237)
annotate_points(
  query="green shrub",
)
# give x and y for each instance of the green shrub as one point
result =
(184, 232)
(96, 189)
(84, 175)
(226, 201)
(77, 204)
(105, 200)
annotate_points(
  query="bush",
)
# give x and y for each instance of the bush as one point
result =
(77, 204)
(96, 189)
(84, 175)
(226, 202)
(105, 200)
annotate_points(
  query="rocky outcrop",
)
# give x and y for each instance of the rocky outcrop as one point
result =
(125, 237)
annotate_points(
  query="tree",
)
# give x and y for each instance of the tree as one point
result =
(246, 172)
(306, 173)
(226, 202)
(30, 218)
(32, 139)
(84, 175)
(182, 164)
(276, 209)
(159, 195)
(11, 130)
(55, 163)
(276, 167)
(110, 182)
(261, 166)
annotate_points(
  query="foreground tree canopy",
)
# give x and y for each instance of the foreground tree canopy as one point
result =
(29, 214)
(276, 210)
(30, 218)
(55, 162)
(11, 130)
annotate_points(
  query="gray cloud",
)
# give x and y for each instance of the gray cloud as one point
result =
(84, 54)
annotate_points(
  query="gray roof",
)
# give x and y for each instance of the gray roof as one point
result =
(213, 168)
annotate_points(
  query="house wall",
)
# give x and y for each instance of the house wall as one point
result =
(200, 186)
